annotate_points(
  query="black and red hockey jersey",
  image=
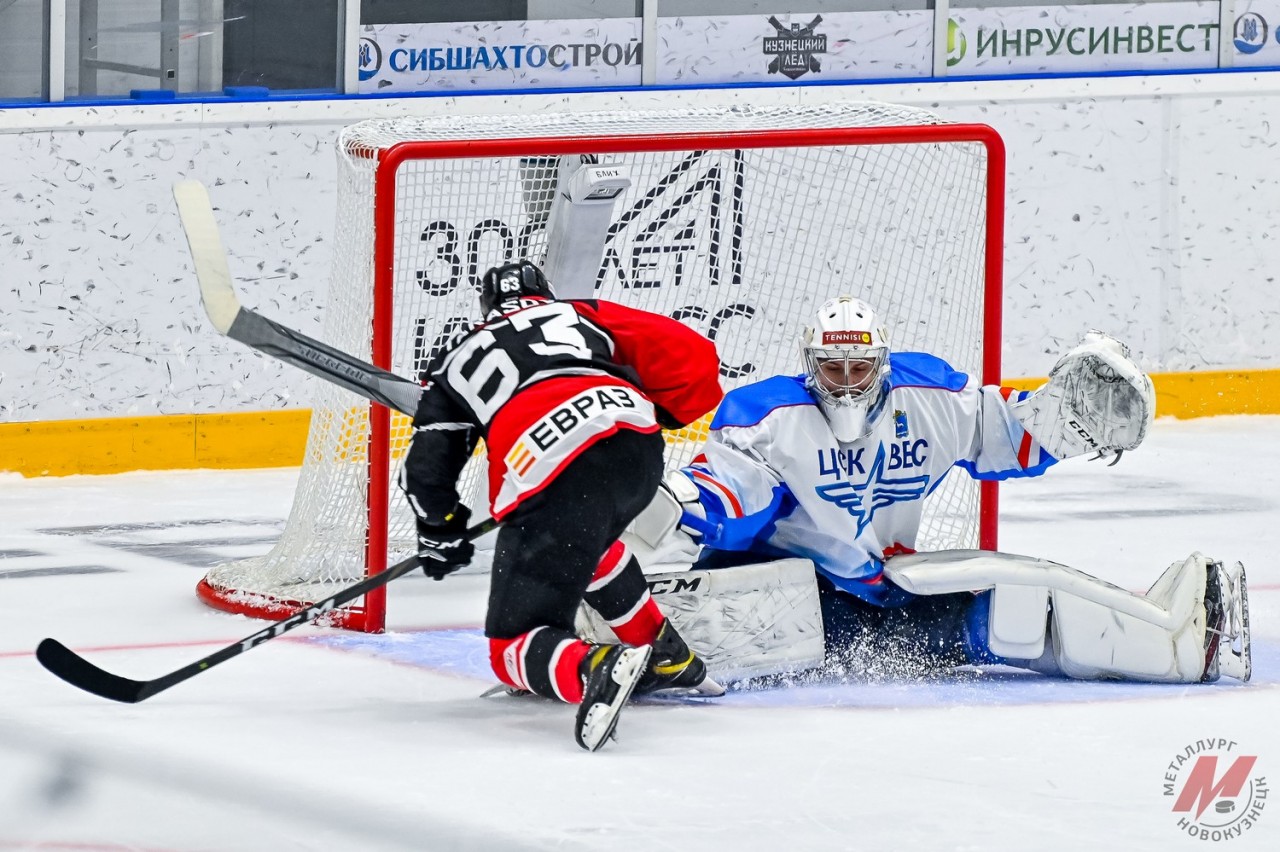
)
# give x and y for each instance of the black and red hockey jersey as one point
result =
(543, 383)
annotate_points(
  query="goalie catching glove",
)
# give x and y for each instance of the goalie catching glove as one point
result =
(444, 548)
(1097, 400)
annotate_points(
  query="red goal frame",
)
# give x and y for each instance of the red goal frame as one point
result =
(372, 616)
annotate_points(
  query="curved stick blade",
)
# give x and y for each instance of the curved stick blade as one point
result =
(79, 672)
(216, 290)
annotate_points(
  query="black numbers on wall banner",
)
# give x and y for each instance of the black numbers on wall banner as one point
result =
(660, 232)
(651, 245)
(714, 326)
(451, 259)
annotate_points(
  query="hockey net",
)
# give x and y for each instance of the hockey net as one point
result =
(739, 222)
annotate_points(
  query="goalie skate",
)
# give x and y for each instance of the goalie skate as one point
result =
(1226, 601)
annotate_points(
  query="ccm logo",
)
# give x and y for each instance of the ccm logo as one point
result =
(1079, 430)
(673, 585)
(280, 627)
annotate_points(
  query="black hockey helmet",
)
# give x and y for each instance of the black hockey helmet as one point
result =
(504, 286)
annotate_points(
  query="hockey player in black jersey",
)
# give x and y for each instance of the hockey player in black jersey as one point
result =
(569, 397)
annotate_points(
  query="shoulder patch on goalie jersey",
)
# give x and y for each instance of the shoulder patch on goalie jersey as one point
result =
(750, 404)
(921, 370)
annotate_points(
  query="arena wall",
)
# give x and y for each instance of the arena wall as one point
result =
(1143, 205)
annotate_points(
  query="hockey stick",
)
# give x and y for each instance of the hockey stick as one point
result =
(79, 672)
(234, 320)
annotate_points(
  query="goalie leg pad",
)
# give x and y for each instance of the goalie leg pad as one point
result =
(944, 571)
(1098, 630)
(1093, 641)
(745, 621)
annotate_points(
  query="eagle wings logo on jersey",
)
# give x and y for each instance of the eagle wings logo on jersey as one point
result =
(863, 500)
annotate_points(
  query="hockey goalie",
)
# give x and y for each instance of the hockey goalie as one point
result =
(801, 562)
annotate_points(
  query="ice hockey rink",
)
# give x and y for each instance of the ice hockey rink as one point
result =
(326, 740)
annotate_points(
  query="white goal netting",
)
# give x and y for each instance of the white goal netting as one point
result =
(739, 222)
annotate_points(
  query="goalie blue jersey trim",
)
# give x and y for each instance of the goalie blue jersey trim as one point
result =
(921, 370)
(748, 405)
(1043, 463)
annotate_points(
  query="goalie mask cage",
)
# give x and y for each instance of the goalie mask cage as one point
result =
(740, 222)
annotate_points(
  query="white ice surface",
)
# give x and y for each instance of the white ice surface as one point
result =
(332, 741)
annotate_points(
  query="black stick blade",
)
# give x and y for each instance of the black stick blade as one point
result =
(79, 672)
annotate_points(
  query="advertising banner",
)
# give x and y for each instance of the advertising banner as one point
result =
(805, 47)
(1080, 39)
(485, 55)
(1254, 37)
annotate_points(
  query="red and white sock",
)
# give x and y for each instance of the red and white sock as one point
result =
(543, 661)
(618, 592)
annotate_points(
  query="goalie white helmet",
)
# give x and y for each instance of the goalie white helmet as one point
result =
(846, 356)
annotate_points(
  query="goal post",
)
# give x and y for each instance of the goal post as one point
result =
(739, 221)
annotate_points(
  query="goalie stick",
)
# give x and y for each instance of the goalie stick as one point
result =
(234, 320)
(79, 672)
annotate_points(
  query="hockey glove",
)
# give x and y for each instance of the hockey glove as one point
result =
(444, 548)
(1097, 400)
(676, 505)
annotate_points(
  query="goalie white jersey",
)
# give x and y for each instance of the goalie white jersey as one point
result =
(848, 506)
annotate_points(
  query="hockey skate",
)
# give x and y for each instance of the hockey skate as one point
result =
(609, 674)
(1226, 638)
(674, 666)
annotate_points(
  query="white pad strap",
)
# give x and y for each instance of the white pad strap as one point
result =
(745, 621)
(1018, 621)
(1097, 400)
